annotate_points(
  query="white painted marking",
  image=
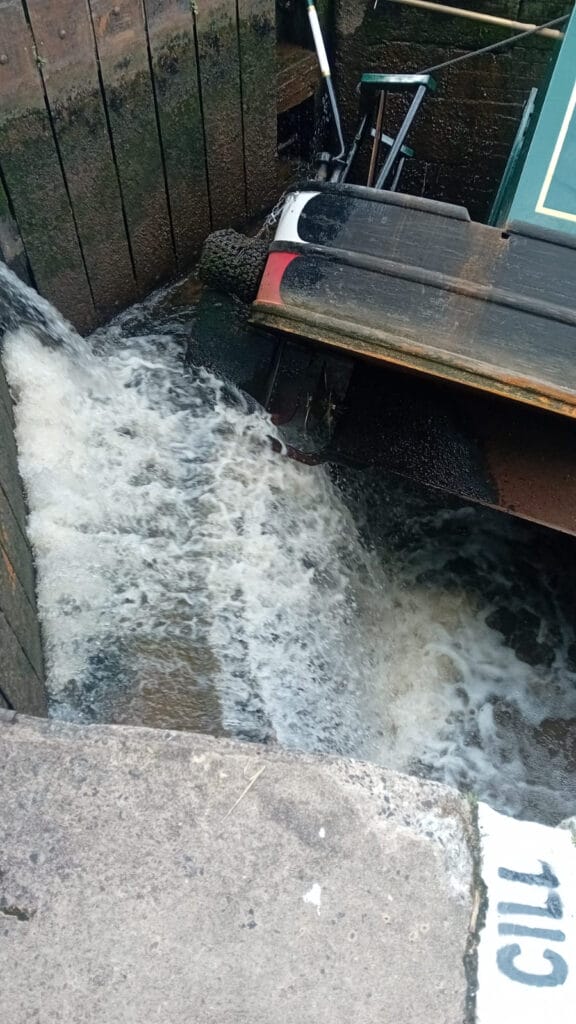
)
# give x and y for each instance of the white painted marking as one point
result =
(322, 832)
(527, 951)
(541, 204)
(314, 896)
(287, 230)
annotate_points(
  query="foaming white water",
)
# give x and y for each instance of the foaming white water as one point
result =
(190, 576)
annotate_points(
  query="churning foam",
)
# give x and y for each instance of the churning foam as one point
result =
(189, 576)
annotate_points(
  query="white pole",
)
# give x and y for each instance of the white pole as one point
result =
(319, 41)
(490, 19)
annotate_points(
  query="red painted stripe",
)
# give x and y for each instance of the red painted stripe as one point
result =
(276, 264)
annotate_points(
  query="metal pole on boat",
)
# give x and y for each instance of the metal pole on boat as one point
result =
(490, 19)
(327, 75)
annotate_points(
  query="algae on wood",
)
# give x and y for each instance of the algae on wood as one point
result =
(172, 46)
(257, 33)
(65, 46)
(218, 52)
(32, 174)
(123, 54)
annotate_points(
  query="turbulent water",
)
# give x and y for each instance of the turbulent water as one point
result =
(189, 576)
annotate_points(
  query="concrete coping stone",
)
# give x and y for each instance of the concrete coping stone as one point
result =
(174, 878)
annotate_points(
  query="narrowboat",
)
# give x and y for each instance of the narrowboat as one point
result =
(442, 348)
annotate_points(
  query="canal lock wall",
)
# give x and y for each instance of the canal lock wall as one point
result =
(21, 664)
(129, 131)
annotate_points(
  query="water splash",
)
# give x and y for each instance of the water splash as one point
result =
(188, 576)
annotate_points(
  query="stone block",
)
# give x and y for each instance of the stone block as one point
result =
(168, 877)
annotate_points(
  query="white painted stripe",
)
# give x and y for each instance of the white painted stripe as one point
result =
(541, 204)
(319, 42)
(287, 230)
(527, 951)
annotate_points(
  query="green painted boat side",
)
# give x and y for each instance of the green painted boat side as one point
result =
(546, 192)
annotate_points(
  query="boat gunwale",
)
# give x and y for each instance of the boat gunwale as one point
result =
(391, 348)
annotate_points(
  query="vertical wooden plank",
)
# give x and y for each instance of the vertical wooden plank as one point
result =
(217, 32)
(5, 396)
(19, 682)
(32, 174)
(18, 610)
(123, 53)
(9, 476)
(12, 250)
(16, 546)
(257, 31)
(65, 45)
(171, 35)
